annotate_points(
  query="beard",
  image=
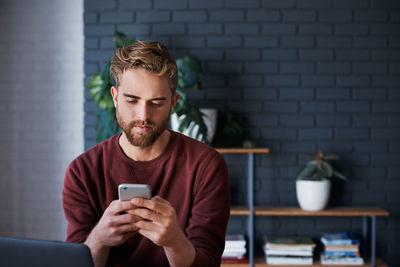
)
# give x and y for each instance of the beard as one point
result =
(142, 139)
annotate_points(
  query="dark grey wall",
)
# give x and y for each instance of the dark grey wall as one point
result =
(304, 74)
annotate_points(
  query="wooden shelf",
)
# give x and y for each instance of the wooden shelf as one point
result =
(260, 262)
(238, 150)
(235, 265)
(240, 210)
(296, 211)
(331, 211)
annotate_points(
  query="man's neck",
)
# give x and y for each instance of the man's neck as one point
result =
(145, 153)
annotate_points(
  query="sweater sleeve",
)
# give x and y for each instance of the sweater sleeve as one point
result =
(210, 212)
(79, 212)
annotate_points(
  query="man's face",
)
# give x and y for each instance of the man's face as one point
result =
(143, 103)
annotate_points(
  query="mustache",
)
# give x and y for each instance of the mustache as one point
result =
(146, 123)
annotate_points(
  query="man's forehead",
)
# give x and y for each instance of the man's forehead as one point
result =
(144, 84)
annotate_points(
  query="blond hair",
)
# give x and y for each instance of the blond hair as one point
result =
(149, 55)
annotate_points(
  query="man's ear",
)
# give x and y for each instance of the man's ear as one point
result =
(114, 94)
(175, 98)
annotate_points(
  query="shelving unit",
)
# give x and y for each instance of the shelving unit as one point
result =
(367, 213)
(364, 212)
(249, 210)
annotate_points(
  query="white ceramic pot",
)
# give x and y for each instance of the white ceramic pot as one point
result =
(210, 120)
(313, 195)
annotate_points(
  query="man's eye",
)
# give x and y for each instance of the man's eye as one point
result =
(131, 101)
(157, 104)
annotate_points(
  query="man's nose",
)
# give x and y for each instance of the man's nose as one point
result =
(143, 112)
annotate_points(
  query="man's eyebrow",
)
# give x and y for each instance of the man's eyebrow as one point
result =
(136, 97)
(131, 96)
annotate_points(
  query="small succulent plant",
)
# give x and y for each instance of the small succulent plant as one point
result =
(319, 168)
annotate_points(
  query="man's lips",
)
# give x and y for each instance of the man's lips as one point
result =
(143, 128)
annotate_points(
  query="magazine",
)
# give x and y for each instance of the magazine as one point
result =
(343, 238)
(295, 242)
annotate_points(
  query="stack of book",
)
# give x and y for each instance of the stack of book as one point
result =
(289, 250)
(235, 249)
(341, 248)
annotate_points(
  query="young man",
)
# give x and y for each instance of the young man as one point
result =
(185, 222)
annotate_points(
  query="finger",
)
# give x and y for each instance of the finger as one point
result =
(160, 199)
(123, 219)
(147, 214)
(121, 235)
(126, 228)
(153, 204)
(163, 205)
(117, 206)
(148, 226)
(135, 217)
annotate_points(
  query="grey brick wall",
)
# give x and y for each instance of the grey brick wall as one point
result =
(41, 118)
(304, 74)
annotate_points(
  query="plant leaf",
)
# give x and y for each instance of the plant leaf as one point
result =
(189, 72)
(319, 175)
(120, 39)
(327, 169)
(339, 175)
(331, 156)
(233, 125)
(306, 171)
(188, 114)
(106, 124)
(99, 88)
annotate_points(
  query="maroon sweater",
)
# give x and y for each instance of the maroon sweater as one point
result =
(192, 176)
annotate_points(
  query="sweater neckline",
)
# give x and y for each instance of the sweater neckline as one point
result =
(164, 154)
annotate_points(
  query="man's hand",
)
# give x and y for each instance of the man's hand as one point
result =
(160, 225)
(115, 227)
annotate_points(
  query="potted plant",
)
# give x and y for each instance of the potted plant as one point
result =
(230, 131)
(197, 123)
(313, 181)
(191, 118)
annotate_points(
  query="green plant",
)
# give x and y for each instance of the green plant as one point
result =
(99, 88)
(229, 131)
(319, 167)
(233, 124)
(189, 73)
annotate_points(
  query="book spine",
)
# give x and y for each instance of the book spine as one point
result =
(341, 253)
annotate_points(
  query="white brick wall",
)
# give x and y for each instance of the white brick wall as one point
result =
(41, 112)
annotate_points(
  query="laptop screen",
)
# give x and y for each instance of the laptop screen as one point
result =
(19, 252)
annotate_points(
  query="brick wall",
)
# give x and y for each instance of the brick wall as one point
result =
(41, 74)
(304, 74)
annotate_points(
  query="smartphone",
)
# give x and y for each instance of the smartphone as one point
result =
(129, 191)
